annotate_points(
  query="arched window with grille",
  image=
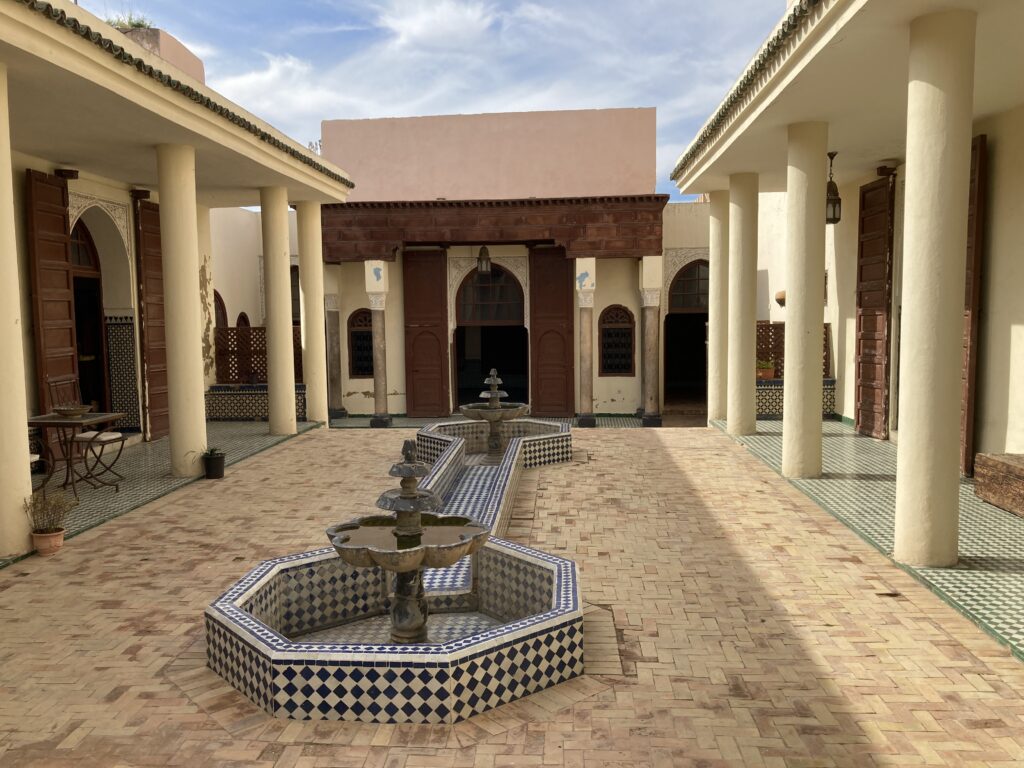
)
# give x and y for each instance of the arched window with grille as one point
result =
(242, 321)
(689, 291)
(490, 299)
(360, 344)
(617, 341)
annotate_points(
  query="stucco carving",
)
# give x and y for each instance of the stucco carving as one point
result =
(460, 266)
(377, 300)
(586, 298)
(118, 213)
(675, 260)
(650, 297)
(331, 302)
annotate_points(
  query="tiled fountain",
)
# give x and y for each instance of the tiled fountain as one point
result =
(343, 633)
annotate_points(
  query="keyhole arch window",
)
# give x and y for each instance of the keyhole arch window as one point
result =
(617, 335)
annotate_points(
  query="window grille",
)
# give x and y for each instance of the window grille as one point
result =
(617, 334)
(360, 344)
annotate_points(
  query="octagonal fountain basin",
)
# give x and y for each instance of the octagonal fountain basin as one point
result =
(307, 637)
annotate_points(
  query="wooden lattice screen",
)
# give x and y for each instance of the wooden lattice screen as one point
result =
(771, 345)
(241, 355)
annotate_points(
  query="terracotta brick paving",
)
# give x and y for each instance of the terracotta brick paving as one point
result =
(750, 628)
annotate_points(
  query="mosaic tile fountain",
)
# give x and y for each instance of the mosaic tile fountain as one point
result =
(416, 617)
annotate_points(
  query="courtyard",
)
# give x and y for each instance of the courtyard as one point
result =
(729, 620)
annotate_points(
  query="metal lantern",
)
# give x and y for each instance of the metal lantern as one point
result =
(833, 203)
(483, 261)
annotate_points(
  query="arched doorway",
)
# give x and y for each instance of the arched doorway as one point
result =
(90, 325)
(686, 361)
(490, 333)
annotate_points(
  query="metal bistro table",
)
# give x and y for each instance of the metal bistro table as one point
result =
(96, 468)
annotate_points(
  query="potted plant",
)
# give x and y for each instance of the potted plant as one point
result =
(46, 515)
(765, 370)
(213, 462)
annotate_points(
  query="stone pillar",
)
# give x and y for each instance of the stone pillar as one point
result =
(336, 410)
(651, 275)
(376, 276)
(718, 307)
(939, 126)
(314, 342)
(586, 284)
(805, 302)
(206, 287)
(14, 468)
(278, 282)
(741, 403)
(179, 240)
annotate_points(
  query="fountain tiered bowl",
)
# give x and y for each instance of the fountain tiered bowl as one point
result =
(493, 411)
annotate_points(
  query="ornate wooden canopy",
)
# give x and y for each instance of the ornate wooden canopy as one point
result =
(601, 227)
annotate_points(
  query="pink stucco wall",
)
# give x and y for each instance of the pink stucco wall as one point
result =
(170, 49)
(581, 153)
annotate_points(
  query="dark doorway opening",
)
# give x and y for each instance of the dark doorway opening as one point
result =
(686, 363)
(478, 348)
(90, 347)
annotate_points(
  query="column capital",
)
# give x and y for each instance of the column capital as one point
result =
(586, 299)
(377, 300)
(650, 297)
(331, 302)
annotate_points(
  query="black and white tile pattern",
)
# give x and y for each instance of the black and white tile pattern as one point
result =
(247, 402)
(122, 371)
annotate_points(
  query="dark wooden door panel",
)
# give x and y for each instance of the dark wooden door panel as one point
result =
(151, 316)
(53, 300)
(972, 297)
(874, 307)
(551, 334)
(425, 281)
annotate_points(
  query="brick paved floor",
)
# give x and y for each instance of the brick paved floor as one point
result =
(753, 629)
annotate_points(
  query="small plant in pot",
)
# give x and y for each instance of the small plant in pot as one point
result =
(213, 462)
(765, 369)
(46, 515)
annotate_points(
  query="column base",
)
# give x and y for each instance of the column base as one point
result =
(337, 413)
(651, 420)
(586, 420)
(380, 420)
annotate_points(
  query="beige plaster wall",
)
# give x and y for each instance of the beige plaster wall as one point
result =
(237, 244)
(170, 49)
(771, 254)
(618, 282)
(686, 225)
(497, 156)
(357, 394)
(999, 415)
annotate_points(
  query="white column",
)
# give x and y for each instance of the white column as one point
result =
(16, 484)
(179, 242)
(311, 281)
(718, 306)
(277, 278)
(805, 299)
(741, 403)
(939, 124)
(206, 287)
(586, 284)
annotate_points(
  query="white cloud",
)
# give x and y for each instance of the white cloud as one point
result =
(463, 56)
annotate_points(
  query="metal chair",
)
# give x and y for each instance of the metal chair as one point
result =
(97, 461)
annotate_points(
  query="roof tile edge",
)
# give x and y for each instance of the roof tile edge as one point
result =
(61, 18)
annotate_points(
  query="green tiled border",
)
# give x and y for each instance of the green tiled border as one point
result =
(858, 489)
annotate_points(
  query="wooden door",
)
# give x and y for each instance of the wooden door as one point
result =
(972, 298)
(155, 419)
(425, 282)
(552, 383)
(874, 307)
(53, 297)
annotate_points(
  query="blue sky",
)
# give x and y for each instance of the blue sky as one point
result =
(296, 63)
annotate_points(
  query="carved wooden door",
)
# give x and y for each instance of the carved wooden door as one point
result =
(552, 385)
(425, 284)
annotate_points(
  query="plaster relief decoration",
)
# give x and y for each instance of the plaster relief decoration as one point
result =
(675, 260)
(118, 213)
(586, 298)
(331, 302)
(650, 297)
(377, 300)
(460, 266)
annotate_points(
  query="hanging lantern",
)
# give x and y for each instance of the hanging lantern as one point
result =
(483, 261)
(833, 203)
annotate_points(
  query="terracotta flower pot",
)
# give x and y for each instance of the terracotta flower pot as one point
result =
(48, 544)
(764, 374)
